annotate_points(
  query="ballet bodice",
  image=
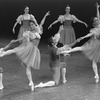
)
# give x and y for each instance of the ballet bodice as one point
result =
(29, 36)
(96, 32)
(26, 22)
(67, 23)
(25, 19)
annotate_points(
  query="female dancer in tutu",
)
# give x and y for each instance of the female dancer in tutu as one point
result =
(28, 52)
(67, 34)
(23, 20)
(92, 48)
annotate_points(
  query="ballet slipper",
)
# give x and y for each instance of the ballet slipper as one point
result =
(64, 81)
(39, 85)
(96, 79)
(1, 86)
(32, 87)
(30, 84)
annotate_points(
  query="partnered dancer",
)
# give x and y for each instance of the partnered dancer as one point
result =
(67, 34)
(57, 66)
(92, 48)
(23, 20)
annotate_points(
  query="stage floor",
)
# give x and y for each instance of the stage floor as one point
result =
(80, 79)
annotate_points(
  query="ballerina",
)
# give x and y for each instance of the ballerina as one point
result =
(23, 20)
(67, 33)
(27, 52)
(92, 48)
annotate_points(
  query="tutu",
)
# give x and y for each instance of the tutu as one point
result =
(67, 35)
(29, 54)
(28, 51)
(92, 49)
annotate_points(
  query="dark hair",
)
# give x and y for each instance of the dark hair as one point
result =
(67, 6)
(25, 7)
(50, 41)
(31, 21)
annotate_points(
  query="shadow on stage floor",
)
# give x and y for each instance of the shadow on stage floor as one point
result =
(80, 86)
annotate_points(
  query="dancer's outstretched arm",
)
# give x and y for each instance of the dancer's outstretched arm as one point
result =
(43, 20)
(77, 48)
(97, 8)
(81, 22)
(14, 27)
(88, 35)
(61, 18)
(53, 23)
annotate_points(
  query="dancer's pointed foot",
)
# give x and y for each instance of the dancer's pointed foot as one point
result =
(64, 81)
(39, 85)
(97, 78)
(1, 86)
(32, 87)
(30, 83)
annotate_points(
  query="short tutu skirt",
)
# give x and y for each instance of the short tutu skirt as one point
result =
(67, 35)
(92, 49)
(29, 54)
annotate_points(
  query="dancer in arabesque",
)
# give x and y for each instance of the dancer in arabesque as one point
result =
(27, 51)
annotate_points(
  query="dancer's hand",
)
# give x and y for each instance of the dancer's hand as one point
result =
(1, 52)
(13, 31)
(79, 39)
(1, 49)
(97, 5)
(48, 13)
(85, 24)
(67, 47)
(12, 41)
(49, 26)
(66, 52)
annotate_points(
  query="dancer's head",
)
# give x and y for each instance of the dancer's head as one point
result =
(67, 9)
(32, 25)
(56, 38)
(26, 10)
(96, 22)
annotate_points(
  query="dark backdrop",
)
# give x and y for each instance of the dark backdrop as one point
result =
(85, 10)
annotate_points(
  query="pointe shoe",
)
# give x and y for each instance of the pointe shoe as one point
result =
(96, 79)
(39, 85)
(31, 83)
(1, 87)
(32, 87)
(64, 81)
